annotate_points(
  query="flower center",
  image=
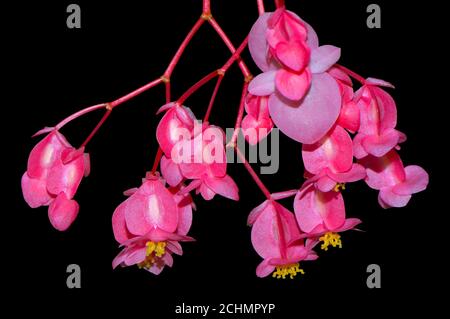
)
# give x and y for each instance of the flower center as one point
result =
(330, 238)
(338, 187)
(153, 250)
(291, 270)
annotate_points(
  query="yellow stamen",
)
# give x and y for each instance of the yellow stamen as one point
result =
(291, 270)
(338, 187)
(330, 238)
(153, 250)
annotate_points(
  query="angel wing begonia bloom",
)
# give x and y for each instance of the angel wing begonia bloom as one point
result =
(331, 160)
(150, 224)
(395, 182)
(378, 113)
(257, 123)
(322, 215)
(274, 231)
(203, 160)
(305, 100)
(54, 172)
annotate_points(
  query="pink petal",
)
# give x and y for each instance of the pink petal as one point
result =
(378, 82)
(388, 198)
(184, 213)
(135, 256)
(356, 173)
(349, 116)
(309, 120)
(264, 269)
(313, 207)
(350, 223)
(323, 58)
(152, 206)
(224, 186)
(263, 84)
(334, 151)
(62, 212)
(384, 171)
(257, 42)
(35, 191)
(119, 226)
(326, 184)
(256, 212)
(44, 155)
(291, 85)
(380, 145)
(66, 178)
(293, 54)
(170, 171)
(416, 181)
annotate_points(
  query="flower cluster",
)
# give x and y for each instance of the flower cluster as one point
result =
(311, 100)
(347, 136)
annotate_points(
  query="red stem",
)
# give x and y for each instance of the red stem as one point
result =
(206, 7)
(213, 97)
(183, 46)
(253, 174)
(240, 115)
(97, 127)
(260, 4)
(196, 86)
(135, 93)
(230, 45)
(279, 3)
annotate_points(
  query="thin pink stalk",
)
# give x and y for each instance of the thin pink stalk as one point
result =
(135, 93)
(354, 75)
(240, 115)
(206, 6)
(196, 86)
(230, 45)
(213, 98)
(252, 173)
(260, 4)
(182, 47)
(78, 114)
(97, 127)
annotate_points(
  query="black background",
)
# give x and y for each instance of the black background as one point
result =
(121, 46)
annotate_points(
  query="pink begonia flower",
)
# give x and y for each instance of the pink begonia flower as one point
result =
(377, 134)
(274, 231)
(349, 117)
(395, 182)
(322, 215)
(331, 161)
(150, 224)
(203, 160)
(257, 123)
(54, 172)
(177, 123)
(305, 101)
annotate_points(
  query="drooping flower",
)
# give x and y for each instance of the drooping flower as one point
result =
(257, 123)
(321, 215)
(305, 101)
(150, 224)
(395, 182)
(54, 172)
(377, 134)
(331, 160)
(202, 159)
(276, 238)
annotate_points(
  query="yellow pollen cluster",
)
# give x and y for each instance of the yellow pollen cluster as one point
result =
(333, 239)
(153, 250)
(338, 187)
(291, 270)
